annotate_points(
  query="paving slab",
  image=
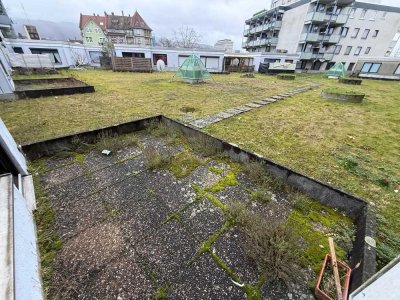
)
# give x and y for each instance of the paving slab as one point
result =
(253, 105)
(223, 115)
(228, 248)
(244, 108)
(233, 111)
(203, 219)
(261, 102)
(204, 279)
(168, 252)
(199, 123)
(276, 97)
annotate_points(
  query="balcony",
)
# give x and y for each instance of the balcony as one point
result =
(252, 30)
(328, 56)
(339, 19)
(331, 39)
(306, 55)
(321, 17)
(309, 37)
(259, 28)
(246, 32)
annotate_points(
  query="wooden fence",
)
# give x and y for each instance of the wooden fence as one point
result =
(133, 64)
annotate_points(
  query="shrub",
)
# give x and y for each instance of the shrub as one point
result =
(260, 195)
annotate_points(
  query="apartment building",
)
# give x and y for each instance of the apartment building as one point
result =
(323, 32)
(118, 29)
(224, 45)
(6, 27)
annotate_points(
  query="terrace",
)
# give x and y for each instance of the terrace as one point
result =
(346, 145)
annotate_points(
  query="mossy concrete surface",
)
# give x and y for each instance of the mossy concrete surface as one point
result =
(123, 230)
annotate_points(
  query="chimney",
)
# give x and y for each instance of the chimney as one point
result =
(122, 13)
(112, 13)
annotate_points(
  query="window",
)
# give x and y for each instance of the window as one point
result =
(89, 39)
(97, 30)
(370, 68)
(53, 53)
(139, 41)
(337, 49)
(358, 50)
(95, 56)
(375, 33)
(316, 65)
(352, 12)
(355, 32)
(133, 54)
(397, 72)
(365, 34)
(363, 13)
(373, 15)
(344, 31)
(88, 30)
(350, 67)
(18, 50)
(101, 40)
(157, 57)
(320, 7)
(367, 50)
(348, 50)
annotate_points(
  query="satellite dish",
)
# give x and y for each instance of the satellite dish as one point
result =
(160, 65)
(235, 62)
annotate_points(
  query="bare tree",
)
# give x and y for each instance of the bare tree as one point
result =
(186, 37)
(166, 42)
(79, 59)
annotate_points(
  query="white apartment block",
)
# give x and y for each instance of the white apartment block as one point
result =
(225, 45)
(323, 32)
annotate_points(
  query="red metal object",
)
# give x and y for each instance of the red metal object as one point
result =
(319, 293)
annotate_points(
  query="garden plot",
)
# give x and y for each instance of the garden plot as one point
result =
(160, 219)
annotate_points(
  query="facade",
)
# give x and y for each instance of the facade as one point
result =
(395, 46)
(378, 67)
(6, 28)
(118, 29)
(323, 32)
(31, 32)
(224, 45)
(93, 34)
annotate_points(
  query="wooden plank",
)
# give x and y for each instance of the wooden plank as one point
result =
(335, 269)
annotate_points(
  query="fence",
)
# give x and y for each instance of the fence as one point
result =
(131, 64)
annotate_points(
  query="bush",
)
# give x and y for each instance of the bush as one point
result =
(273, 247)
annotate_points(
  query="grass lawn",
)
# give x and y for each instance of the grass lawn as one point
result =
(353, 146)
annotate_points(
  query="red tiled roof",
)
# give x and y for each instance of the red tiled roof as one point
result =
(115, 21)
(99, 20)
(138, 22)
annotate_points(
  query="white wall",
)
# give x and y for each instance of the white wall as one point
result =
(292, 27)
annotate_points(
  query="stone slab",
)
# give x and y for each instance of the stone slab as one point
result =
(243, 108)
(253, 105)
(233, 111)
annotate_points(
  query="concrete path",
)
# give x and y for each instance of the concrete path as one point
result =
(228, 113)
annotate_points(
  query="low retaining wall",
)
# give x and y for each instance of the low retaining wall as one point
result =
(358, 98)
(354, 81)
(77, 87)
(353, 206)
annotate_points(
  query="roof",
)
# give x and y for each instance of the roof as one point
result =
(138, 22)
(99, 20)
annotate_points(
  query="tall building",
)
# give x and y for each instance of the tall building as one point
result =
(225, 45)
(6, 27)
(118, 29)
(323, 32)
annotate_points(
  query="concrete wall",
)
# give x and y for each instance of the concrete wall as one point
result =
(292, 27)
(69, 52)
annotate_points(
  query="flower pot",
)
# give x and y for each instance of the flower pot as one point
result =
(345, 279)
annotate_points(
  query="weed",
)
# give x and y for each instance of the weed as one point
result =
(155, 159)
(237, 210)
(183, 164)
(110, 209)
(80, 158)
(161, 294)
(204, 145)
(260, 195)
(344, 235)
(215, 170)
(151, 193)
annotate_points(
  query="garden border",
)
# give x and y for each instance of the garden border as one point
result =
(363, 256)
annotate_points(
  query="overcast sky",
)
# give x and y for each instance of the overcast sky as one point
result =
(213, 19)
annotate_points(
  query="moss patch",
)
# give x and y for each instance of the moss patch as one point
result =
(228, 180)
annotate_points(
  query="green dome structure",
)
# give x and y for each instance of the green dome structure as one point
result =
(337, 70)
(193, 70)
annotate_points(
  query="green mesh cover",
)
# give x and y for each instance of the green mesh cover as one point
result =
(337, 70)
(193, 70)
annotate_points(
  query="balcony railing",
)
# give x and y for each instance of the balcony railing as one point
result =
(321, 17)
(333, 39)
(310, 55)
(246, 32)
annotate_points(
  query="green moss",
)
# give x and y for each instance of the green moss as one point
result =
(215, 170)
(183, 164)
(338, 90)
(302, 224)
(48, 239)
(173, 216)
(228, 180)
(225, 267)
(161, 294)
(202, 194)
(205, 246)
(252, 292)
(80, 158)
